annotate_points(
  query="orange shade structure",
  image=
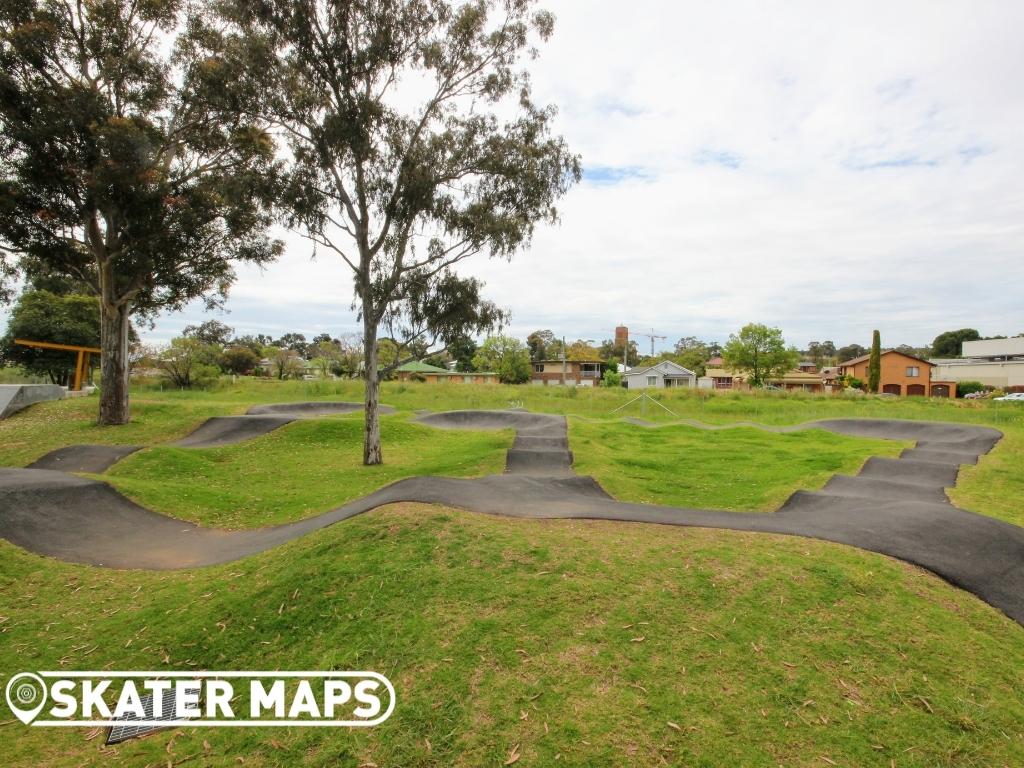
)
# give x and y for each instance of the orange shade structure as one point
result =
(81, 365)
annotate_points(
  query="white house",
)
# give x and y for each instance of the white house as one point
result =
(664, 374)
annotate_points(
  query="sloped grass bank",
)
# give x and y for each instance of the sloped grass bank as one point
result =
(301, 469)
(573, 643)
(742, 469)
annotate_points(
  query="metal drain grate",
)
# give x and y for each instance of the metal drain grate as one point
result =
(124, 729)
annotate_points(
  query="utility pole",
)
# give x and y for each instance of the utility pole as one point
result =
(563, 361)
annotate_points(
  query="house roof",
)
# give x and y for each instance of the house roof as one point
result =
(461, 373)
(862, 358)
(797, 375)
(718, 373)
(664, 364)
(792, 376)
(417, 366)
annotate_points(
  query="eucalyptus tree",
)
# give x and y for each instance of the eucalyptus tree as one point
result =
(415, 145)
(129, 161)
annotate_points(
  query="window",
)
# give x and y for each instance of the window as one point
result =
(652, 381)
(538, 368)
(913, 371)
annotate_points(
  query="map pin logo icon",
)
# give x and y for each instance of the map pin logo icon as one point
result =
(26, 695)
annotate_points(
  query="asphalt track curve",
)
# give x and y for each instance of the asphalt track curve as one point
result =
(261, 419)
(215, 431)
(895, 507)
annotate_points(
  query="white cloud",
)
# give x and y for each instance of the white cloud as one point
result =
(822, 166)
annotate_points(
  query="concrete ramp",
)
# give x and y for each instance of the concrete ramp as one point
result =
(14, 397)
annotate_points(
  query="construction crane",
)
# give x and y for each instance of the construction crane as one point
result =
(652, 336)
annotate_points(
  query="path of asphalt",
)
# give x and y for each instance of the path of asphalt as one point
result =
(215, 431)
(896, 507)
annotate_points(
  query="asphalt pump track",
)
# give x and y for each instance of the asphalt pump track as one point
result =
(893, 506)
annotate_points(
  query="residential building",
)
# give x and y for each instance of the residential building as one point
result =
(796, 379)
(716, 376)
(431, 374)
(582, 373)
(993, 362)
(901, 374)
(663, 375)
(800, 379)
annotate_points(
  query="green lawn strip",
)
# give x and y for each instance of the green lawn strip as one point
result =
(304, 468)
(30, 433)
(995, 487)
(161, 415)
(605, 644)
(743, 469)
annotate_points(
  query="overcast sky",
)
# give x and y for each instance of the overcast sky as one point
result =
(824, 167)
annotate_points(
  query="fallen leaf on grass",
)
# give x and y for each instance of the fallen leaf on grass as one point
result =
(513, 756)
(673, 726)
(639, 639)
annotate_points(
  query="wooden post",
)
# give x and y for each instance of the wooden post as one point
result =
(81, 361)
(77, 383)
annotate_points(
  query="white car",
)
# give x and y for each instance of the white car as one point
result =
(1012, 397)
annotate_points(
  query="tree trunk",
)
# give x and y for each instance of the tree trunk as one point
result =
(372, 453)
(114, 325)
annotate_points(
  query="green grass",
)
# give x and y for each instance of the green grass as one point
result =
(30, 433)
(576, 639)
(743, 469)
(301, 469)
(992, 488)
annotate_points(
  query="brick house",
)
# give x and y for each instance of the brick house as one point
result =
(583, 373)
(902, 374)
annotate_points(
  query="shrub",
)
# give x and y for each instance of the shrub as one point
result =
(852, 382)
(970, 387)
(612, 378)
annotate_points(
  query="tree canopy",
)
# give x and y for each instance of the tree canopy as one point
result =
(506, 356)
(760, 352)
(950, 343)
(128, 160)
(45, 316)
(416, 145)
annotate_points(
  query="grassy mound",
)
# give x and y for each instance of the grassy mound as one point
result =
(742, 469)
(598, 644)
(301, 469)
